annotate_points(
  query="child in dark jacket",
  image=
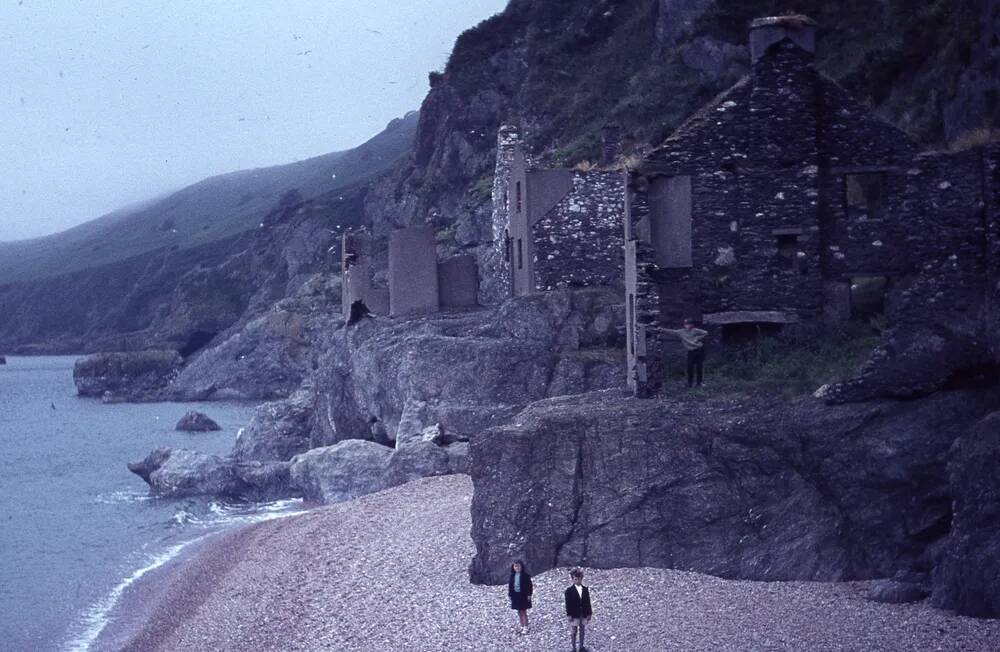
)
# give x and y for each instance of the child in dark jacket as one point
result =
(519, 590)
(578, 608)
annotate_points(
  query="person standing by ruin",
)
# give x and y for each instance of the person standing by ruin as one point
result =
(519, 590)
(578, 608)
(693, 340)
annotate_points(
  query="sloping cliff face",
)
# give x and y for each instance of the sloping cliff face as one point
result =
(163, 276)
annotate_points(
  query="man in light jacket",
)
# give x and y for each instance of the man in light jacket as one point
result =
(693, 340)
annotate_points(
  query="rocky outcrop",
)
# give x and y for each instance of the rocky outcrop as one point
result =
(464, 372)
(754, 489)
(178, 473)
(195, 421)
(279, 430)
(268, 356)
(138, 376)
(355, 468)
(968, 577)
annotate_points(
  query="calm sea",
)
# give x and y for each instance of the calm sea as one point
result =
(76, 527)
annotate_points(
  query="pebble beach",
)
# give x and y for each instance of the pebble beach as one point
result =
(389, 571)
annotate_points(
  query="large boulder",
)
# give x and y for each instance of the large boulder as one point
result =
(182, 472)
(178, 473)
(340, 472)
(195, 421)
(968, 577)
(126, 376)
(279, 430)
(751, 488)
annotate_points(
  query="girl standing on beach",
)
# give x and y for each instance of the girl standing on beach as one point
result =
(519, 590)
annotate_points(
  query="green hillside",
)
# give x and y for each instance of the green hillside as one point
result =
(208, 211)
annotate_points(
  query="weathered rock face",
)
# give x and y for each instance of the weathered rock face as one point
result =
(137, 376)
(279, 430)
(267, 356)
(197, 422)
(466, 371)
(178, 473)
(340, 472)
(968, 577)
(740, 489)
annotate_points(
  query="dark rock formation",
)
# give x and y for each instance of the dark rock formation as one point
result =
(755, 489)
(197, 422)
(968, 577)
(138, 376)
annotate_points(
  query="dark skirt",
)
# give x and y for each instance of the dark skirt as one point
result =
(520, 601)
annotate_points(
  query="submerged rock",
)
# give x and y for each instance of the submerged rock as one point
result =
(197, 422)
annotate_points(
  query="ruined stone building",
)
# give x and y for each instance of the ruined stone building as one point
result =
(781, 200)
(556, 228)
(417, 283)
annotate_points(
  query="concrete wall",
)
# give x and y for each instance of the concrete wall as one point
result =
(458, 282)
(413, 274)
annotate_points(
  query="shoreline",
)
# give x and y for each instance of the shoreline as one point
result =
(329, 580)
(138, 602)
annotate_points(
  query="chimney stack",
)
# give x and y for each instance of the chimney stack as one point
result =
(610, 143)
(765, 32)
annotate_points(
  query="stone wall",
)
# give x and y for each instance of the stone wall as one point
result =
(776, 166)
(942, 307)
(579, 241)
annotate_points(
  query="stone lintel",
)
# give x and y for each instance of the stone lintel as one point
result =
(750, 317)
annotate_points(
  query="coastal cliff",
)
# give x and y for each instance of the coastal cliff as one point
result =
(889, 484)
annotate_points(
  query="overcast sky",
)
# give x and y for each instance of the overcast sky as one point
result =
(105, 102)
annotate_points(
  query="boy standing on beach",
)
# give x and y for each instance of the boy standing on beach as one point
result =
(578, 608)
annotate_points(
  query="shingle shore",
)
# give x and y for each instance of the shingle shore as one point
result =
(389, 572)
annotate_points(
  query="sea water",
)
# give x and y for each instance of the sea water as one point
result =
(76, 527)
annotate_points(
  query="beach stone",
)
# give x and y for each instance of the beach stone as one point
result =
(893, 592)
(197, 422)
(417, 460)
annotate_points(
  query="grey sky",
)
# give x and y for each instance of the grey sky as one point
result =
(108, 102)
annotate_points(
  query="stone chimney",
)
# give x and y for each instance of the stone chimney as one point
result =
(765, 32)
(610, 143)
(508, 137)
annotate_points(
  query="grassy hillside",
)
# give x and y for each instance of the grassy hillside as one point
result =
(209, 211)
